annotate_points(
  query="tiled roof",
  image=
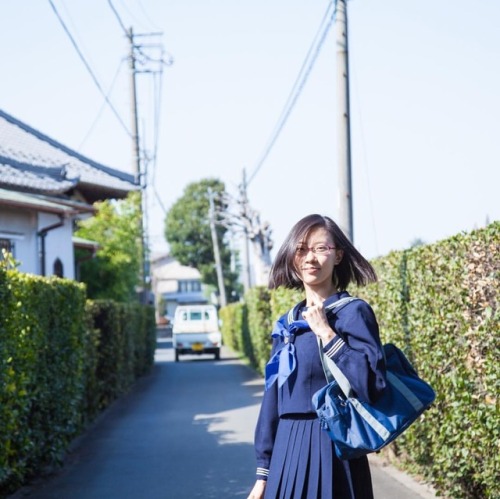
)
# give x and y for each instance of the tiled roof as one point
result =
(41, 179)
(29, 160)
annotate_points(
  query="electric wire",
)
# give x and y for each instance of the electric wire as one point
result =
(308, 56)
(118, 18)
(149, 170)
(103, 106)
(157, 106)
(138, 48)
(146, 14)
(365, 155)
(87, 66)
(298, 86)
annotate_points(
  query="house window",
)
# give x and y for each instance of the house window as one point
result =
(189, 286)
(58, 269)
(7, 245)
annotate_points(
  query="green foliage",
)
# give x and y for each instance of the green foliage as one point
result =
(258, 345)
(187, 230)
(125, 346)
(41, 371)
(115, 271)
(233, 318)
(439, 303)
(7, 260)
(62, 360)
(282, 300)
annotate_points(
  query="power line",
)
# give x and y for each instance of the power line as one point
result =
(298, 86)
(89, 69)
(158, 82)
(364, 150)
(146, 15)
(99, 113)
(146, 58)
(120, 22)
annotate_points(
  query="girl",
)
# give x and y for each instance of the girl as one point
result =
(295, 457)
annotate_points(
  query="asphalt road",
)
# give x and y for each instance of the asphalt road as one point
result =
(185, 431)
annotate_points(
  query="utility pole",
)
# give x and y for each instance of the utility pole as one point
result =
(245, 215)
(136, 159)
(215, 243)
(343, 122)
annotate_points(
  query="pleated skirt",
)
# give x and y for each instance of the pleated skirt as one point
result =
(304, 465)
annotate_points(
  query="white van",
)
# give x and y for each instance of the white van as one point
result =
(196, 330)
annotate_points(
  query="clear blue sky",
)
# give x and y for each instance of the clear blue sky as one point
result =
(425, 104)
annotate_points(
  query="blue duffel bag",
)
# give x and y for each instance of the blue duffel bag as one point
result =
(358, 428)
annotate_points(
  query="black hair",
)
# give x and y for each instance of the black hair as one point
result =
(352, 267)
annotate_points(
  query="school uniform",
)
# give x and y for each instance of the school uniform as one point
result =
(294, 455)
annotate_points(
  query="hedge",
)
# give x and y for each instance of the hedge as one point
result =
(439, 303)
(54, 349)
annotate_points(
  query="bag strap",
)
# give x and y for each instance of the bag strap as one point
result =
(332, 372)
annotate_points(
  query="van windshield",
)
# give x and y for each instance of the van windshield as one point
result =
(195, 316)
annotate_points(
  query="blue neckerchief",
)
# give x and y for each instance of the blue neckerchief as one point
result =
(283, 362)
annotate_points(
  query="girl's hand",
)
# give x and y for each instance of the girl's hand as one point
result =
(258, 490)
(316, 318)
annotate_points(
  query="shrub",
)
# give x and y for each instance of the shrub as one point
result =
(62, 360)
(439, 303)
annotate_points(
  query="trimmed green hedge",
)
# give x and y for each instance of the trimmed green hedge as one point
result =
(62, 360)
(439, 303)
(233, 318)
(121, 349)
(42, 339)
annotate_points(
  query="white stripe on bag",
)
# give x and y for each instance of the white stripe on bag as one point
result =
(376, 425)
(405, 391)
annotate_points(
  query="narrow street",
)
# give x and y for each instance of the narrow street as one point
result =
(185, 431)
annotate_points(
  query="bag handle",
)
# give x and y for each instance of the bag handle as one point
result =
(329, 367)
(332, 372)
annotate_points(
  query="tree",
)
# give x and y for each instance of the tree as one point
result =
(115, 271)
(187, 230)
(417, 242)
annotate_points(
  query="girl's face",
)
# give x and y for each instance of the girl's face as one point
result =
(315, 259)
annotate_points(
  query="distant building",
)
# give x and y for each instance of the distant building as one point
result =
(45, 188)
(174, 284)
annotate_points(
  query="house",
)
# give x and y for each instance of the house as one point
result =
(45, 188)
(174, 284)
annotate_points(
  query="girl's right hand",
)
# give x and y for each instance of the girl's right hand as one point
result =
(258, 490)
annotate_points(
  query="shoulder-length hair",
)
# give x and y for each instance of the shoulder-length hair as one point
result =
(352, 267)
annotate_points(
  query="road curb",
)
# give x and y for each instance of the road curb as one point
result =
(424, 490)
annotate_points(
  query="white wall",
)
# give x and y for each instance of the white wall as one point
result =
(58, 244)
(20, 227)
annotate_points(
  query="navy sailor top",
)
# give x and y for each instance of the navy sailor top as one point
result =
(357, 351)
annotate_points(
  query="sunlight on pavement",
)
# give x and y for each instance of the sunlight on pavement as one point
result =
(230, 427)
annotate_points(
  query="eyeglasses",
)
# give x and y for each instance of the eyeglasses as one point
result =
(317, 249)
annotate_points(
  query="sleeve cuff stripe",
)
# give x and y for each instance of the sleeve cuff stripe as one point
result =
(335, 348)
(262, 471)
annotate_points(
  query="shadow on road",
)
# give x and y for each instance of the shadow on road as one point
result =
(184, 431)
